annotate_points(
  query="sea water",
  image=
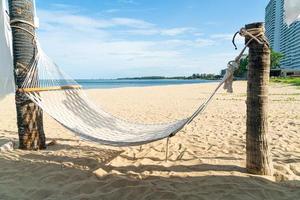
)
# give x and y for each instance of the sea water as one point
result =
(93, 84)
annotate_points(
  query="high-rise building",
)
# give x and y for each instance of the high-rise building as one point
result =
(283, 38)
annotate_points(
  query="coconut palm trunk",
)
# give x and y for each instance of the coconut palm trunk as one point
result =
(258, 155)
(29, 115)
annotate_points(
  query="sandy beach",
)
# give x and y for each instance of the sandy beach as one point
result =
(206, 159)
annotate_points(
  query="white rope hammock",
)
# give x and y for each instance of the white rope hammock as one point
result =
(64, 100)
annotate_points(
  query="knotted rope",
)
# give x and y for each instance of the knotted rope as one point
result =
(255, 34)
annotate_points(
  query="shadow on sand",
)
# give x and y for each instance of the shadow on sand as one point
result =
(44, 175)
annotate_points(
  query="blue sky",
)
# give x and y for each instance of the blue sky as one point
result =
(126, 38)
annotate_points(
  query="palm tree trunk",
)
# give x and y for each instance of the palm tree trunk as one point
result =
(29, 115)
(258, 155)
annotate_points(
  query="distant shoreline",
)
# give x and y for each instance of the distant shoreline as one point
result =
(149, 78)
(121, 83)
(194, 77)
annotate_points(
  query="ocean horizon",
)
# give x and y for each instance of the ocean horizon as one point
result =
(121, 83)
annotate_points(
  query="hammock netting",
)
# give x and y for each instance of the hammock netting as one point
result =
(65, 101)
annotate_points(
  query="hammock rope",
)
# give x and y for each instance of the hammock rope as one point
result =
(65, 101)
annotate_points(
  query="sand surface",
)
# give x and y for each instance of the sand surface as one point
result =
(206, 159)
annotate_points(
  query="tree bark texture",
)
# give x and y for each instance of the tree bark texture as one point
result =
(258, 155)
(29, 115)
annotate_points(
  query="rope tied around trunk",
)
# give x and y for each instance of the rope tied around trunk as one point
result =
(255, 34)
(12, 22)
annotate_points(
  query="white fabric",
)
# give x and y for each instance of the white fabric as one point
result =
(36, 19)
(292, 11)
(6, 59)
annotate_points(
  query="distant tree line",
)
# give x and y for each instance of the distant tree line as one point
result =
(194, 76)
(204, 76)
(240, 72)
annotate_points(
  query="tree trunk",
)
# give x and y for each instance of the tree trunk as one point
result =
(29, 115)
(258, 155)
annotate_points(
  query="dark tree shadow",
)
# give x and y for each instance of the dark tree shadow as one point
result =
(25, 179)
(47, 175)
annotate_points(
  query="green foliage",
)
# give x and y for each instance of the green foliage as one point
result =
(287, 80)
(203, 76)
(242, 70)
(194, 76)
(275, 59)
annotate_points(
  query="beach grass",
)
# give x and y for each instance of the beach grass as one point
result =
(287, 80)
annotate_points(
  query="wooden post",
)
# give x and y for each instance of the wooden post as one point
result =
(29, 115)
(258, 155)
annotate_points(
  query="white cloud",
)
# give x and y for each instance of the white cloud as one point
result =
(134, 23)
(73, 20)
(158, 31)
(222, 36)
(79, 43)
(175, 31)
(112, 10)
(62, 6)
(196, 33)
(228, 37)
(292, 11)
(205, 42)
